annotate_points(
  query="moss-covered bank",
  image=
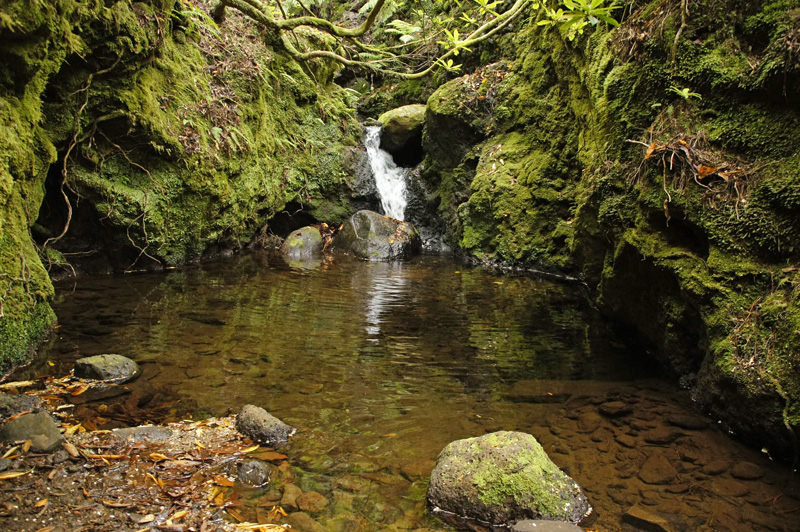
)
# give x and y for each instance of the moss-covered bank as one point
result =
(138, 135)
(662, 160)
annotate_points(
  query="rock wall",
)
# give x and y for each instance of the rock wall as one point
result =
(138, 135)
(660, 159)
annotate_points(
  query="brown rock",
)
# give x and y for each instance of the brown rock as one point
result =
(645, 519)
(290, 494)
(747, 471)
(312, 502)
(657, 470)
(418, 469)
(688, 422)
(301, 521)
(715, 467)
(662, 435)
(589, 422)
(615, 409)
(626, 440)
(730, 488)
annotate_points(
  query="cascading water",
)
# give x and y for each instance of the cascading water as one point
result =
(390, 179)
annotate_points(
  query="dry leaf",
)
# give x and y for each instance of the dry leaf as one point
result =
(14, 474)
(71, 449)
(26, 446)
(18, 384)
(269, 456)
(41, 503)
(158, 456)
(10, 451)
(222, 480)
(650, 150)
(251, 449)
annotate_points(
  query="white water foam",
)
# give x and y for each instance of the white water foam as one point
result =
(390, 179)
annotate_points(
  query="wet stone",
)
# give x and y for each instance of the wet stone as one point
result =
(746, 471)
(303, 521)
(254, 473)
(657, 470)
(645, 519)
(260, 426)
(615, 409)
(688, 422)
(290, 494)
(662, 435)
(626, 440)
(109, 368)
(312, 502)
(11, 405)
(40, 428)
(730, 488)
(589, 422)
(717, 467)
(418, 469)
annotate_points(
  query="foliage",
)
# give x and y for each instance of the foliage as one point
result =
(578, 15)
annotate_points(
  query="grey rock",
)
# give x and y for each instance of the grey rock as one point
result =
(254, 473)
(260, 426)
(371, 236)
(40, 428)
(110, 368)
(544, 526)
(11, 405)
(502, 478)
(305, 242)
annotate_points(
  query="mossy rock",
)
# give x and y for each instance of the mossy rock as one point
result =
(401, 125)
(305, 242)
(502, 478)
(371, 236)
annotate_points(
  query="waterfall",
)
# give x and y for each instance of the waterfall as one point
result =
(390, 179)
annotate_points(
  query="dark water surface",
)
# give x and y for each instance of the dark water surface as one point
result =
(380, 365)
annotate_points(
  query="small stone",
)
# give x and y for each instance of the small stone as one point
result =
(260, 426)
(303, 521)
(626, 440)
(290, 494)
(688, 422)
(11, 405)
(662, 435)
(678, 488)
(418, 469)
(544, 526)
(40, 428)
(589, 422)
(746, 471)
(615, 409)
(730, 488)
(254, 473)
(717, 467)
(645, 519)
(312, 502)
(110, 368)
(657, 470)
(310, 388)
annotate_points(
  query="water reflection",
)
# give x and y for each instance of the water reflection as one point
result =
(379, 365)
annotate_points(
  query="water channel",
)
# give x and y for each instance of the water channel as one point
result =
(380, 365)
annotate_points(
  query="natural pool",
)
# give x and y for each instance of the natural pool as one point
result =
(380, 365)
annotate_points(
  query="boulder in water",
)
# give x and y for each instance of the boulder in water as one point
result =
(39, 428)
(303, 243)
(500, 479)
(261, 426)
(372, 236)
(402, 126)
(115, 369)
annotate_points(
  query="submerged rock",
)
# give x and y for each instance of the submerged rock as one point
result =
(260, 426)
(305, 242)
(544, 526)
(110, 368)
(39, 428)
(11, 405)
(254, 473)
(502, 478)
(372, 236)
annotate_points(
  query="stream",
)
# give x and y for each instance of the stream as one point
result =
(380, 365)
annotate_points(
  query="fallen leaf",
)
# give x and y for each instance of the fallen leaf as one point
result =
(18, 415)
(251, 449)
(46, 529)
(269, 456)
(650, 150)
(10, 451)
(222, 480)
(149, 518)
(158, 456)
(180, 514)
(26, 446)
(41, 503)
(14, 474)
(18, 384)
(71, 449)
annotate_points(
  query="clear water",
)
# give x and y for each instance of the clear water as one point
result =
(390, 179)
(380, 365)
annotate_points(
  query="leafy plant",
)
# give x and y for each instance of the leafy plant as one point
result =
(579, 14)
(685, 93)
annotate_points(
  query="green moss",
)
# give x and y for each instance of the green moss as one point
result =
(19, 334)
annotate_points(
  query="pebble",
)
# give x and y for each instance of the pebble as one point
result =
(746, 471)
(730, 488)
(418, 469)
(290, 494)
(311, 502)
(645, 519)
(662, 435)
(717, 467)
(615, 409)
(626, 440)
(657, 470)
(303, 521)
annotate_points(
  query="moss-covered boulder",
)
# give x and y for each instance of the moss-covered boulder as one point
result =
(502, 478)
(372, 236)
(303, 243)
(111, 368)
(401, 127)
